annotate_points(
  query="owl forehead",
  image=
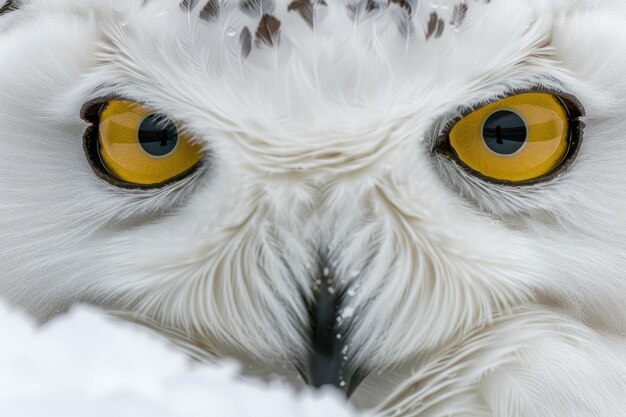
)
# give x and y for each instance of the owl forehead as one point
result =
(333, 72)
(264, 26)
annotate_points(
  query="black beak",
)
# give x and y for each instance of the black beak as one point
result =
(328, 363)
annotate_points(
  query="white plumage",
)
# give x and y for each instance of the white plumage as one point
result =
(462, 297)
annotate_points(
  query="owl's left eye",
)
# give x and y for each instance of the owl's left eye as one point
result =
(130, 144)
(520, 139)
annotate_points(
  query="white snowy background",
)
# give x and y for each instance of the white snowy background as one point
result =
(84, 364)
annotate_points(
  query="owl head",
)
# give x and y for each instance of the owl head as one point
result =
(326, 190)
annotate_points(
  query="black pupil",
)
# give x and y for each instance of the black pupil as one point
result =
(157, 136)
(504, 132)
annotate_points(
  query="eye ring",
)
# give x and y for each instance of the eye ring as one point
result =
(575, 111)
(91, 112)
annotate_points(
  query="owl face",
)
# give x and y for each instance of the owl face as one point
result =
(327, 189)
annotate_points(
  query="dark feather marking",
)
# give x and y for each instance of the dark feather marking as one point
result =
(256, 8)
(268, 31)
(402, 13)
(245, 40)
(371, 5)
(9, 6)
(403, 4)
(359, 9)
(306, 9)
(211, 11)
(435, 26)
(188, 4)
(440, 27)
(459, 14)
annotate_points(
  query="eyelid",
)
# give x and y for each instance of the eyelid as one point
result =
(91, 110)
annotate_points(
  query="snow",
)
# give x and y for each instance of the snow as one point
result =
(85, 364)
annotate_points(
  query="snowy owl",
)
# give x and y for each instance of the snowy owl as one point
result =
(390, 196)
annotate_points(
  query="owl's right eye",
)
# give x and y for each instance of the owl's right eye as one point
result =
(137, 146)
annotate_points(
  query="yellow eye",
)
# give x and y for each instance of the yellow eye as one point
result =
(517, 139)
(139, 146)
